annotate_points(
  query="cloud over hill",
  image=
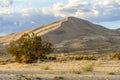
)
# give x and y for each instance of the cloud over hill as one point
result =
(17, 18)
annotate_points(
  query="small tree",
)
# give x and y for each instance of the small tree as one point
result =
(29, 48)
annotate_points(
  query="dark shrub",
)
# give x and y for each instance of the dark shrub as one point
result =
(29, 48)
(116, 56)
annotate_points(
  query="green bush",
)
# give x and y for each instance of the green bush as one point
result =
(29, 48)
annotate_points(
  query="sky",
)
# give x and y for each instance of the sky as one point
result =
(19, 15)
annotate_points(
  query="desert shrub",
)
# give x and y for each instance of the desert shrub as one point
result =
(51, 58)
(87, 67)
(111, 73)
(84, 57)
(61, 58)
(29, 48)
(98, 63)
(116, 56)
(58, 78)
(76, 71)
(44, 67)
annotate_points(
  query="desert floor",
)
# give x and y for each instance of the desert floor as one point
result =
(69, 70)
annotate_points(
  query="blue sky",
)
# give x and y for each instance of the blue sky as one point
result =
(18, 15)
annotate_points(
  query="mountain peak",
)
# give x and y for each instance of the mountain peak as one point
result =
(72, 18)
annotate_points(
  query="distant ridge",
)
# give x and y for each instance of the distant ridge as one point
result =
(118, 29)
(39, 31)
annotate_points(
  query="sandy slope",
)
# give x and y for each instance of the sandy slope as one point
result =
(63, 70)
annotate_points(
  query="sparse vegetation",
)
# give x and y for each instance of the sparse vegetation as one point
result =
(58, 78)
(44, 67)
(115, 56)
(111, 73)
(98, 63)
(76, 71)
(22, 77)
(61, 58)
(29, 48)
(84, 57)
(87, 67)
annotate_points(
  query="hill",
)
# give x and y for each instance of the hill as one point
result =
(74, 34)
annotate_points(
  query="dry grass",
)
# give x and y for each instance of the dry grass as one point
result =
(87, 67)
(75, 71)
(69, 70)
(98, 63)
(44, 67)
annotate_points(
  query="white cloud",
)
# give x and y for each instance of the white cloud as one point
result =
(23, 19)
(29, 11)
(73, 8)
(73, 1)
(97, 10)
(5, 3)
